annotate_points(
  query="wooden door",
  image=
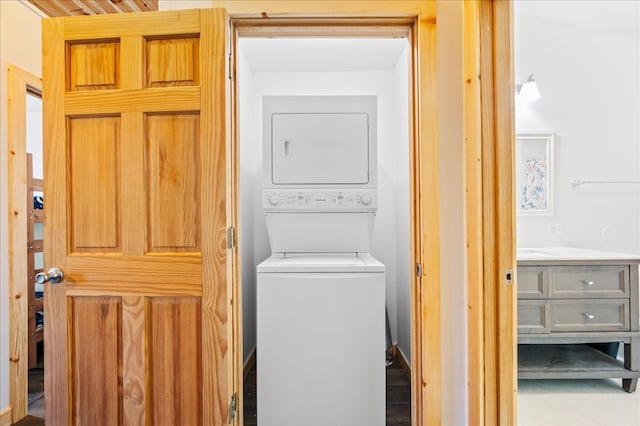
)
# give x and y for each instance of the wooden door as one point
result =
(136, 130)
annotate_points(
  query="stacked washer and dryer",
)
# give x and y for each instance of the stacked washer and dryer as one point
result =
(321, 295)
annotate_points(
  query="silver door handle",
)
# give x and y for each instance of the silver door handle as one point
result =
(54, 276)
(589, 316)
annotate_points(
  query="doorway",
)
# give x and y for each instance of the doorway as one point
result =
(26, 242)
(35, 255)
(331, 66)
(426, 378)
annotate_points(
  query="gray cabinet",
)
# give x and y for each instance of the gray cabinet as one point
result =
(568, 308)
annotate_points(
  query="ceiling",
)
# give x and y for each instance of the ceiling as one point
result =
(93, 7)
(321, 55)
(608, 15)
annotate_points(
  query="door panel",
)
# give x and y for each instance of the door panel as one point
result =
(94, 171)
(174, 326)
(97, 364)
(136, 130)
(172, 174)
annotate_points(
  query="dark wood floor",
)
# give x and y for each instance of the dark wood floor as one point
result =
(398, 397)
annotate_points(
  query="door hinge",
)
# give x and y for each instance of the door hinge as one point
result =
(232, 407)
(231, 237)
(230, 67)
(419, 270)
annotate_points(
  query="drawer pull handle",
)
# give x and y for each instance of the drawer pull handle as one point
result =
(588, 282)
(589, 316)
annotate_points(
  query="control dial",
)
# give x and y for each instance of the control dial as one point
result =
(366, 199)
(274, 199)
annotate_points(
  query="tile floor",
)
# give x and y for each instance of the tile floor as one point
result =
(577, 402)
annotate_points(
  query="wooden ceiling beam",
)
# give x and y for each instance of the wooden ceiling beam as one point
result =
(94, 7)
(145, 5)
(54, 8)
(51, 8)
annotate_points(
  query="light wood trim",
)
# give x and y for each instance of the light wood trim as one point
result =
(488, 215)
(415, 242)
(326, 8)
(327, 27)
(473, 201)
(427, 378)
(5, 416)
(53, 65)
(233, 203)
(132, 181)
(20, 83)
(134, 217)
(506, 211)
(222, 376)
(150, 273)
(497, 115)
(111, 101)
(154, 23)
(134, 374)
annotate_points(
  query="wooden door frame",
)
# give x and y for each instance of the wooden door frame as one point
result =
(489, 161)
(415, 21)
(21, 84)
(490, 231)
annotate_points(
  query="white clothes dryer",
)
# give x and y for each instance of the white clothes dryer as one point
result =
(320, 296)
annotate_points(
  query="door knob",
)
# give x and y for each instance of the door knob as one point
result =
(54, 276)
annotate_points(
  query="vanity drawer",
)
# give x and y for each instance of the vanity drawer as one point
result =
(532, 282)
(590, 315)
(533, 316)
(589, 281)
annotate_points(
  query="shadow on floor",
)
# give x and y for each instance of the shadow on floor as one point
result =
(398, 397)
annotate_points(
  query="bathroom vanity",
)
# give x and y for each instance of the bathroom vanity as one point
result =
(574, 308)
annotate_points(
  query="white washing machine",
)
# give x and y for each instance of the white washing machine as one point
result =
(321, 340)
(320, 296)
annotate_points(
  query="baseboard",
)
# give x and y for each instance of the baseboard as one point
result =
(249, 364)
(5, 417)
(399, 356)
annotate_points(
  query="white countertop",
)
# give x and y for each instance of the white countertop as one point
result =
(571, 253)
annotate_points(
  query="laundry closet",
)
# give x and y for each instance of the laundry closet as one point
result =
(361, 214)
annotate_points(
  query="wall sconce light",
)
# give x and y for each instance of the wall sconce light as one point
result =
(527, 92)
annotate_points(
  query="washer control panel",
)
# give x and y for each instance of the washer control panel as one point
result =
(320, 200)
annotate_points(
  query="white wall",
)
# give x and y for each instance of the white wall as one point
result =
(250, 162)
(400, 178)
(586, 61)
(19, 45)
(34, 134)
(184, 4)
